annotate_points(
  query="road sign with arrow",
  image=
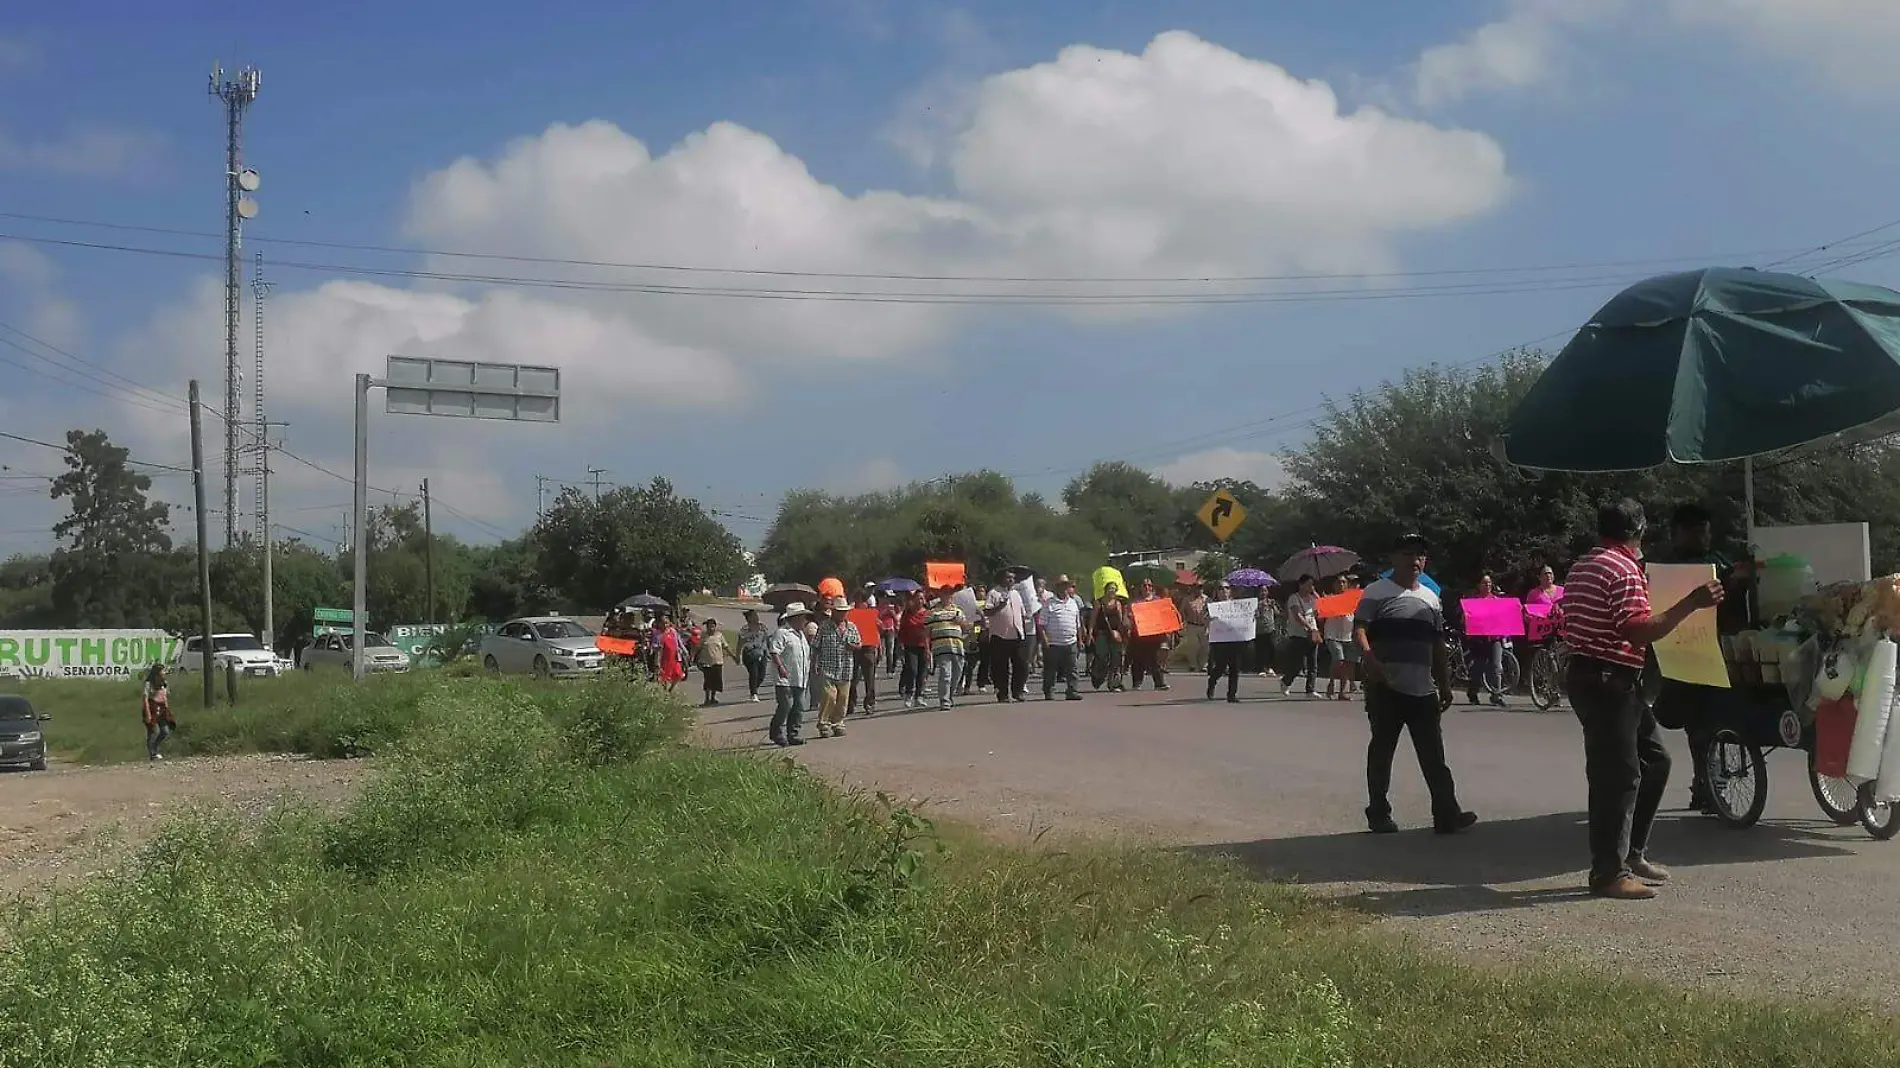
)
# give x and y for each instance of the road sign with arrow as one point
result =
(1222, 514)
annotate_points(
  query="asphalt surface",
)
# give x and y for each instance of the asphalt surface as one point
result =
(1792, 906)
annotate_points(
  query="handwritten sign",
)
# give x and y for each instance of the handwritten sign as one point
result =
(1231, 621)
(865, 619)
(1155, 618)
(616, 646)
(1538, 624)
(1340, 605)
(1105, 575)
(1692, 652)
(1494, 617)
(939, 575)
(965, 600)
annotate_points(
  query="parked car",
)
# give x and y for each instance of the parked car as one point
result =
(548, 646)
(243, 650)
(21, 739)
(333, 650)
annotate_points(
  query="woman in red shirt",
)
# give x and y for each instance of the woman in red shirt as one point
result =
(913, 635)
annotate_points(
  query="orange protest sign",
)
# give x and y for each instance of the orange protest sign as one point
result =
(865, 619)
(1340, 604)
(616, 646)
(937, 576)
(1156, 617)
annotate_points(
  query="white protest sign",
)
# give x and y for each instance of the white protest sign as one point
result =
(1231, 621)
(965, 600)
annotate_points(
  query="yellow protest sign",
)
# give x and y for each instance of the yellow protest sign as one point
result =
(1222, 514)
(1692, 652)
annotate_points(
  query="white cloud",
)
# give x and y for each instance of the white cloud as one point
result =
(83, 151)
(1184, 160)
(868, 476)
(1524, 48)
(1263, 469)
(1851, 43)
(30, 295)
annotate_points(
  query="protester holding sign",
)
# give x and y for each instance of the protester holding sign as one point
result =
(1108, 626)
(1146, 655)
(1609, 626)
(1230, 630)
(1484, 647)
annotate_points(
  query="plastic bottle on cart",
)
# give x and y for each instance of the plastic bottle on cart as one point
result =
(1785, 579)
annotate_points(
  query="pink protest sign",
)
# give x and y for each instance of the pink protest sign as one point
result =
(1538, 622)
(1494, 617)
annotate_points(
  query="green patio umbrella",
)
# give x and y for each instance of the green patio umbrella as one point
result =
(1712, 365)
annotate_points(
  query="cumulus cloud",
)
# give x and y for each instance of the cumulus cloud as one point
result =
(1263, 469)
(31, 295)
(1850, 43)
(1186, 159)
(86, 150)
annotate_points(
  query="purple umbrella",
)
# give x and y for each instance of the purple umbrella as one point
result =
(1319, 562)
(1250, 578)
(898, 585)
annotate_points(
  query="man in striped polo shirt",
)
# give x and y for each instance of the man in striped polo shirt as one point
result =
(1609, 625)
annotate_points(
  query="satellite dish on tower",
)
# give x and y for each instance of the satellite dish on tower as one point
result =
(248, 180)
(246, 208)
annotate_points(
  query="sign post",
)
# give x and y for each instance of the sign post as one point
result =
(1222, 514)
(461, 389)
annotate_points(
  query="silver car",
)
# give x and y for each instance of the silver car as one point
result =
(547, 646)
(333, 650)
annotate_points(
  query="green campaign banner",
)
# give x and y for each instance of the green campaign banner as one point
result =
(414, 638)
(84, 654)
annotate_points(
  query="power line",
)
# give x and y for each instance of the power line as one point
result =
(95, 367)
(69, 449)
(893, 276)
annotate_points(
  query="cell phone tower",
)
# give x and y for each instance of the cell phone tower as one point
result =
(237, 93)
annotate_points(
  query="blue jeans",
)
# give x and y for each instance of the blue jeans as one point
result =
(155, 737)
(789, 716)
(949, 673)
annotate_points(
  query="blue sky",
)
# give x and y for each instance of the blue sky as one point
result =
(869, 137)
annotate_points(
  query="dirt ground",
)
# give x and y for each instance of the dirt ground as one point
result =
(73, 821)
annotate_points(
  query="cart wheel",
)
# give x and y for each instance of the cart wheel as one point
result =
(1880, 819)
(1738, 780)
(1837, 797)
(1512, 673)
(1543, 680)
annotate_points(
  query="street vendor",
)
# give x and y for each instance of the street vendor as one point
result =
(1685, 705)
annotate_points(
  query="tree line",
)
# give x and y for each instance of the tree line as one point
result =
(115, 565)
(1414, 454)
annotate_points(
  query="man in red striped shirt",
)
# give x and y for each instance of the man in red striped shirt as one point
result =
(1608, 624)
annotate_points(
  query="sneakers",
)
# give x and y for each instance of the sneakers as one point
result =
(824, 730)
(755, 698)
(1463, 821)
(1623, 888)
(1073, 697)
(837, 730)
(1381, 825)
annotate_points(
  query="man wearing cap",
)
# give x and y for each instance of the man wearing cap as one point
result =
(1399, 628)
(833, 654)
(791, 671)
(1061, 636)
(1609, 627)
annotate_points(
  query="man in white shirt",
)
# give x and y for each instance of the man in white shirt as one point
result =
(790, 656)
(1060, 625)
(1003, 622)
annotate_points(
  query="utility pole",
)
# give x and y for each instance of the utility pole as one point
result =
(540, 496)
(237, 93)
(428, 552)
(359, 522)
(204, 549)
(259, 290)
(594, 474)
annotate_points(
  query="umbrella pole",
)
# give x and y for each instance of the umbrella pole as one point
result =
(1748, 500)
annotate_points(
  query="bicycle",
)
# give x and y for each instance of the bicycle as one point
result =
(1549, 665)
(1508, 679)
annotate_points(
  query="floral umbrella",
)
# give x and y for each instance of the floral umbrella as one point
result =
(1250, 578)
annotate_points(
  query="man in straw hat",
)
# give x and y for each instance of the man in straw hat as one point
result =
(791, 668)
(832, 656)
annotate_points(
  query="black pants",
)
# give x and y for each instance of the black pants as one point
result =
(1144, 657)
(1623, 760)
(1685, 707)
(754, 673)
(1223, 658)
(1009, 666)
(714, 678)
(1059, 664)
(978, 674)
(1263, 649)
(1392, 713)
(1302, 658)
(916, 661)
(864, 678)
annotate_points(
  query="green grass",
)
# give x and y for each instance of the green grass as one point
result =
(539, 877)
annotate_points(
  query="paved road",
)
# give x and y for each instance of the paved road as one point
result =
(1792, 905)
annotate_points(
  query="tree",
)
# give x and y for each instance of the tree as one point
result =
(1130, 508)
(103, 570)
(596, 552)
(26, 591)
(507, 582)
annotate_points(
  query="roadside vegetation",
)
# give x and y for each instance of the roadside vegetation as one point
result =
(543, 876)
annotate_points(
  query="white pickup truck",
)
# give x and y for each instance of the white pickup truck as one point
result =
(242, 650)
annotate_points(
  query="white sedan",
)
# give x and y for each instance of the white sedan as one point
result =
(547, 646)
